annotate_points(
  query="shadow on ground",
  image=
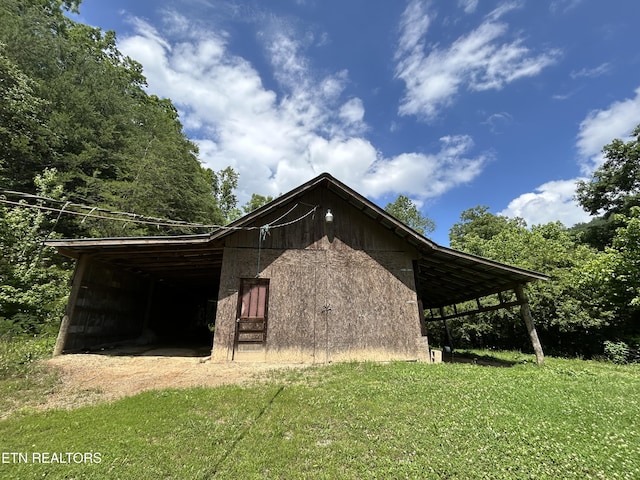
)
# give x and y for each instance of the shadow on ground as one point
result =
(152, 350)
(475, 359)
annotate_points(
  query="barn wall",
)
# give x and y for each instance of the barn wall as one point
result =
(338, 292)
(107, 305)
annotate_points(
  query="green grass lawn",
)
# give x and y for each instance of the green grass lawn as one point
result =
(568, 419)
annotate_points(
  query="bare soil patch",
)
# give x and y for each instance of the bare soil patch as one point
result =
(88, 378)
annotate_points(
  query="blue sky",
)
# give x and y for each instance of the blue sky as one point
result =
(453, 103)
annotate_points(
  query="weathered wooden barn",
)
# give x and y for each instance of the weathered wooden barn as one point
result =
(320, 274)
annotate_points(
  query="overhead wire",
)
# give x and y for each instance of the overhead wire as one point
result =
(89, 212)
(168, 223)
(136, 218)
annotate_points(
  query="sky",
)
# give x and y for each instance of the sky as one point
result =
(454, 103)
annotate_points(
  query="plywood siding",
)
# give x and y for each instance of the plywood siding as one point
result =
(340, 291)
(350, 229)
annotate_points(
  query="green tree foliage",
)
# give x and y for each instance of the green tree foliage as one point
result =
(33, 281)
(613, 278)
(407, 212)
(256, 202)
(614, 188)
(71, 103)
(565, 313)
(114, 145)
(478, 224)
(24, 135)
(592, 302)
(223, 186)
(598, 232)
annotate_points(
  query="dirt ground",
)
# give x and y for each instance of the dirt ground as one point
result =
(87, 378)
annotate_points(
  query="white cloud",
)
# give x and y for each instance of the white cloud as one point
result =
(479, 60)
(469, 6)
(501, 10)
(352, 115)
(278, 140)
(414, 25)
(550, 202)
(555, 200)
(598, 71)
(497, 122)
(563, 96)
(563, 6)
(426, 176)
(600, 127)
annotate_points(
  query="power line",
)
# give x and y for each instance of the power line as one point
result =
(132, 217)
(168, 223)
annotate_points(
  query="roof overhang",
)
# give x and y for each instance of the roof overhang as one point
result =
(444, 276)
(447, 277)
(188, 259)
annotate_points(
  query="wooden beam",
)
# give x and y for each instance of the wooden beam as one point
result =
(489, 308)
(78, 275)
(525, 311)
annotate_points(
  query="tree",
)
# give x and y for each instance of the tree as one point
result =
(25, 139)
(478, 223)
(162, 175)
(613, 278)
(568, 318)
(223, 186)
(79, 105)
(598, 232)
(33, 281)
(256, 202)
(614, 187)
(407, 212)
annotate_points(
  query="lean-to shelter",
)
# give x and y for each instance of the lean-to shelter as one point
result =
(320, 274)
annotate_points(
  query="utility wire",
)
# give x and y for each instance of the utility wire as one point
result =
(133, 217)
(168, 223)
(313, 210)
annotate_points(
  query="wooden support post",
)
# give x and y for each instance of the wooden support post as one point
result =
(423, 322)
(525, 312)
(71, 305)
(446, 329)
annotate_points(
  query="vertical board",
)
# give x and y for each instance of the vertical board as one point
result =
(339, 291)
(110, 306)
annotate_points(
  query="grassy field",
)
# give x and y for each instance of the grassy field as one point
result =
(568, 419)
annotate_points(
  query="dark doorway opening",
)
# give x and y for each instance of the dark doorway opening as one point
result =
(182, 315)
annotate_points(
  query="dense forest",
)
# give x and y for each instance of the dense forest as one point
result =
(78, 129)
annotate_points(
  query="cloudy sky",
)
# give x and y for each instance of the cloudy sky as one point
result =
(453, 103)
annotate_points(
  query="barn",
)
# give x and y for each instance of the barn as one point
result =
(319, 275)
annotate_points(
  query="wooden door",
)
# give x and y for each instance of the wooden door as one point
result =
(253, 307)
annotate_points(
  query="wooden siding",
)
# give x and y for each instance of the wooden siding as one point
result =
(337, 292)
(109, 305)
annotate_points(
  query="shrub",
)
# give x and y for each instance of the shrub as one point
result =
(616, 352)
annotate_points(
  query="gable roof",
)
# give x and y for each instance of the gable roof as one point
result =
(444, 276)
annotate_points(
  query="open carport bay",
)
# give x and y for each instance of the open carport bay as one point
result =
(141, 294)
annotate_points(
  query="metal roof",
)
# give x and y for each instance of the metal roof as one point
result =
(445, 276)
